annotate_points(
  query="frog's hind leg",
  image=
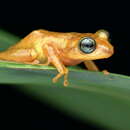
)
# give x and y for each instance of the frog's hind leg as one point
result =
(35, 62)
(19, 55)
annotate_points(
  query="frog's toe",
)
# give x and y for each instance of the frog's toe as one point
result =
(66, 83)
(54, 80)
(105, 72)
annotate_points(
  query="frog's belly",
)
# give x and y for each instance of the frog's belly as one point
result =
(70, 62)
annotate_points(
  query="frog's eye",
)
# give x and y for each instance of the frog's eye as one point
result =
(87, 45)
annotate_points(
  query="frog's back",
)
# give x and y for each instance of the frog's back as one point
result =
(59, 39)
(37, 35)
(64, 35)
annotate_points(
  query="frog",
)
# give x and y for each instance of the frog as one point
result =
(60, 49)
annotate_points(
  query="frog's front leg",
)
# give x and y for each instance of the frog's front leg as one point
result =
(90, 65)
(54, 59)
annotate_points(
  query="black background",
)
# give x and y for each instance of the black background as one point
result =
(21, 18)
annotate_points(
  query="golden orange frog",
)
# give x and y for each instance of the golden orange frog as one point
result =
(60, 49)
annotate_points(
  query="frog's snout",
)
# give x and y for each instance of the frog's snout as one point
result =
(111, 51)
(108, 51)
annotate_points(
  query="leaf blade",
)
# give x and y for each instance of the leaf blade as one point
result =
(90, 95)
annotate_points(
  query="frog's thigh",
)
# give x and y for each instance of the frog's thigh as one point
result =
(57, 63)
(24, 55)
(91, 65)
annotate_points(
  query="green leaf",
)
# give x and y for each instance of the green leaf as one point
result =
(103, 99)
(7, 39)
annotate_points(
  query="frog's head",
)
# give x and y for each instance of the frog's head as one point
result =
(93, 46)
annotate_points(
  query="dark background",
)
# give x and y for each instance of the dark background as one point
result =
(64, 16)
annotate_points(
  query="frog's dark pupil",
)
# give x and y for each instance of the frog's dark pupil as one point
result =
(87, 45)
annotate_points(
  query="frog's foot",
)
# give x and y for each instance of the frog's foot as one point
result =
(32, 62)
(66, 83)
(105, 72)
(37, 62)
